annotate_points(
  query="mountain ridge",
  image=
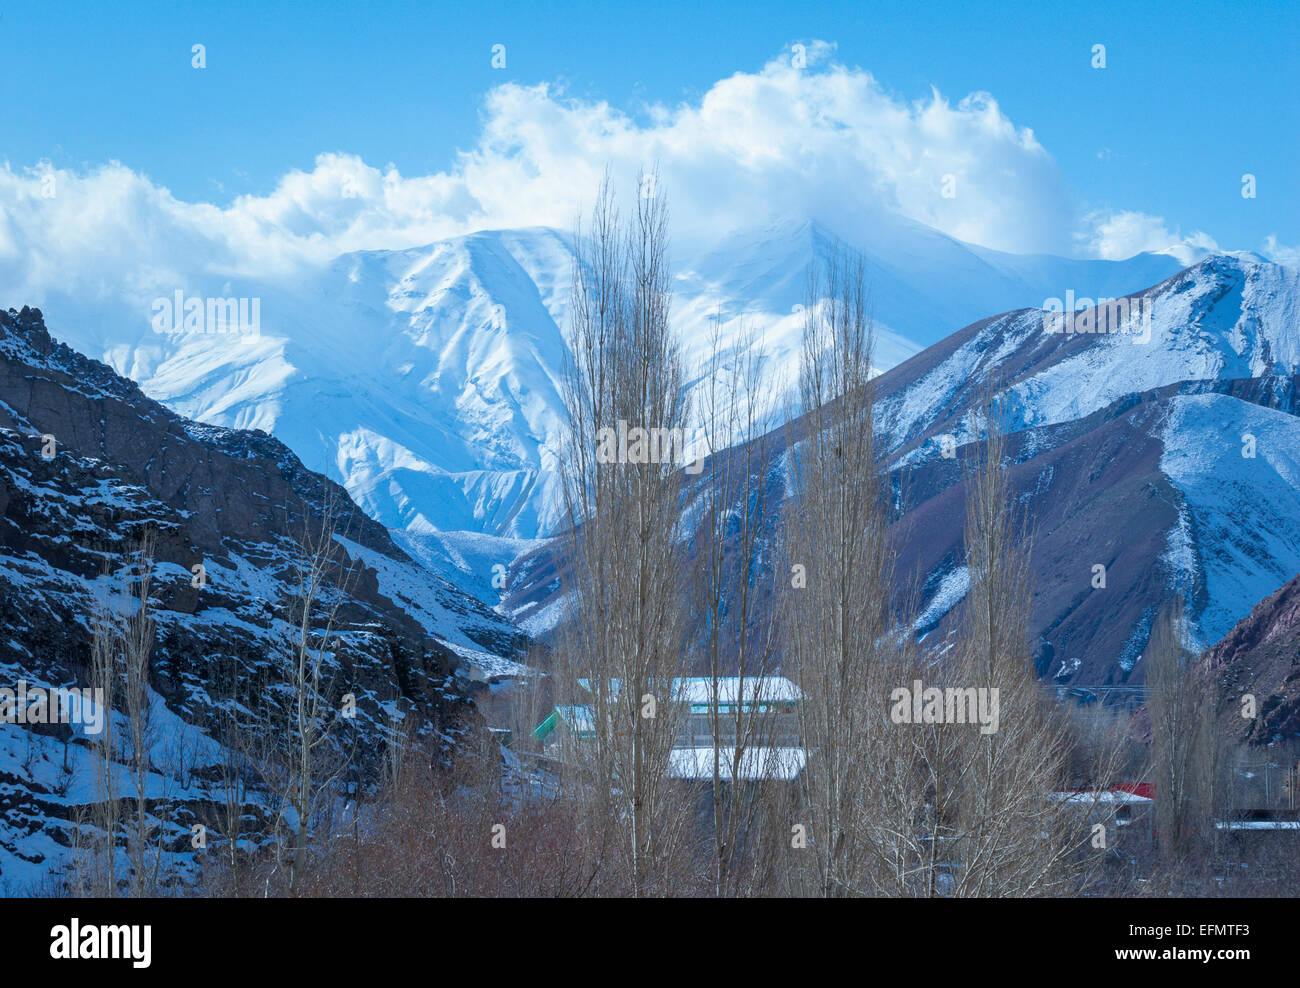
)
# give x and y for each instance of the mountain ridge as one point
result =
(427, 379)
(90, 466)
(1128, 454)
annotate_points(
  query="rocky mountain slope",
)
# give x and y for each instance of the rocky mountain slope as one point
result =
(426, 380)
(1173, 462)
(88, 464)
(1261, 656)
(1170, 456)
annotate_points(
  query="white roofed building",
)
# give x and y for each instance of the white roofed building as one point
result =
(758, 714)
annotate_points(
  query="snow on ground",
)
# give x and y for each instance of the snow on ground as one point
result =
(418, 593)
(535, 621)
(1245, 511)
(1231, 317)
(951, 590)
(58, 777)
(474, 562)
(1198, 332)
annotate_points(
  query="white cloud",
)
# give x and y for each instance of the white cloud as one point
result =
(1280, 253)
(824, 142)
(1119, 235)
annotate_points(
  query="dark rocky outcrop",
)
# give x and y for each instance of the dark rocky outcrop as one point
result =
(89, 464)
(1261, 656)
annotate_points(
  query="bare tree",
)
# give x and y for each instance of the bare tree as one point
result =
(952, 805)
(1002, 841)
(625, 566)
(122, 633)
(96, 859)
(1001, 808)
(839, 632)
(1188, 762)
(236, 777)
(296, 743)
(136, 635)
(733, 594)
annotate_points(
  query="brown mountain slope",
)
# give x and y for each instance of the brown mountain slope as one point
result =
(1261, 656)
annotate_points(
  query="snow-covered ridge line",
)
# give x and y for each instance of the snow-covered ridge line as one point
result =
(426, 380)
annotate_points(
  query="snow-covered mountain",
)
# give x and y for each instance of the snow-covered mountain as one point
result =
(426, 380)
(1193, 412)
(1230, 316)
(1167, 452)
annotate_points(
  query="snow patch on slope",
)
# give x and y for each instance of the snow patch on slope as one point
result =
(952, 589)
(1244, 510)
(426, 380)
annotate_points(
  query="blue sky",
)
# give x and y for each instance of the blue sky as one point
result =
(1193, 95)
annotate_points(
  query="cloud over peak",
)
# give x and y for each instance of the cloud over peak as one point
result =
(805, 136)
